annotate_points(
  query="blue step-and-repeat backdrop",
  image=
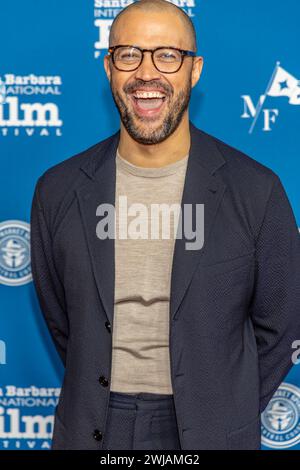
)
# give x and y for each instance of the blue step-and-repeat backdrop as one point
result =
(55, 101)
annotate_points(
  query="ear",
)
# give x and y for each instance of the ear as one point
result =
(197, 69)
(106, 64)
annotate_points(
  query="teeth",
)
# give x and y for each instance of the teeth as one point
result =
(148, 94)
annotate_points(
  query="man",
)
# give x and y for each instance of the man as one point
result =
(165, 345)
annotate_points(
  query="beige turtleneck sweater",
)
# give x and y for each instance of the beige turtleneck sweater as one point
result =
(140, 354)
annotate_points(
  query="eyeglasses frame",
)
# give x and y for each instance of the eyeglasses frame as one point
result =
(183, 52)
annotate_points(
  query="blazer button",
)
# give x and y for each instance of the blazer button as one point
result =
(103, 381)
(108, 326)
(97, 435)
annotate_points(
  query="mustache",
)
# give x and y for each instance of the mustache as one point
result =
(141, 84)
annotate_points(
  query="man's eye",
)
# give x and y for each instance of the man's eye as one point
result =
(129, 56)
(167, 56)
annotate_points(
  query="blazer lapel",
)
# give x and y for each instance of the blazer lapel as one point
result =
(100, 189)
(201, 185)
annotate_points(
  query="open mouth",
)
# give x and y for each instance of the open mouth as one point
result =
(150, 105)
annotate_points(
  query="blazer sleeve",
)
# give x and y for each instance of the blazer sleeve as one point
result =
(275, 306)
(48, 287)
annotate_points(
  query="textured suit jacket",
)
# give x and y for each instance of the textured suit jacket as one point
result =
(234, 306)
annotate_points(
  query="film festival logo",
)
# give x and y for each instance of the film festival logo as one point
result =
(27, 417)
(106, 10)
(29, 105)
(281, 83)
(15, 268)
(280, 422)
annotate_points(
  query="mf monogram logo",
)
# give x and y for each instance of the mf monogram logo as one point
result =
(281, 83)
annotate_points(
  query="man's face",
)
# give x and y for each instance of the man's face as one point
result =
(150, 30)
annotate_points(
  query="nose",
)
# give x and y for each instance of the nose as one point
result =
(146, 70)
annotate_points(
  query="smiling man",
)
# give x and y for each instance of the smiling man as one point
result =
(152, 91)
(164, 347)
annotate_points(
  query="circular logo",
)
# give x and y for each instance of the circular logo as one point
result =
(280, 422)
(15, 268)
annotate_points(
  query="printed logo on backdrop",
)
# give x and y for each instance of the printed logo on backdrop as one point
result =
(281, 84)
(15, 268)
(281, 418)
(106, 10)
(30, 105)
(27, 417)
(2, 352)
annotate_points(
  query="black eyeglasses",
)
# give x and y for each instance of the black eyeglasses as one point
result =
(127, 58)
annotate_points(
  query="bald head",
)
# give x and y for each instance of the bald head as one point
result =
(156, 6)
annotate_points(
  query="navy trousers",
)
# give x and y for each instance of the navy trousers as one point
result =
(141, 421)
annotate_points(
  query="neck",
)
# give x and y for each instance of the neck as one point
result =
(174, 148)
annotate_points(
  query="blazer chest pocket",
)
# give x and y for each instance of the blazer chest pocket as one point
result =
(228, 266)
(222, 290)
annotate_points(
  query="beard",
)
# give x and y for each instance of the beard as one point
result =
(149, 134)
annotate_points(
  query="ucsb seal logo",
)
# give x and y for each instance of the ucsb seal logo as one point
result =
(15, 266)
(281, 419)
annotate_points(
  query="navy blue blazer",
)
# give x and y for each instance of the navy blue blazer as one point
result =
(234, 305)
